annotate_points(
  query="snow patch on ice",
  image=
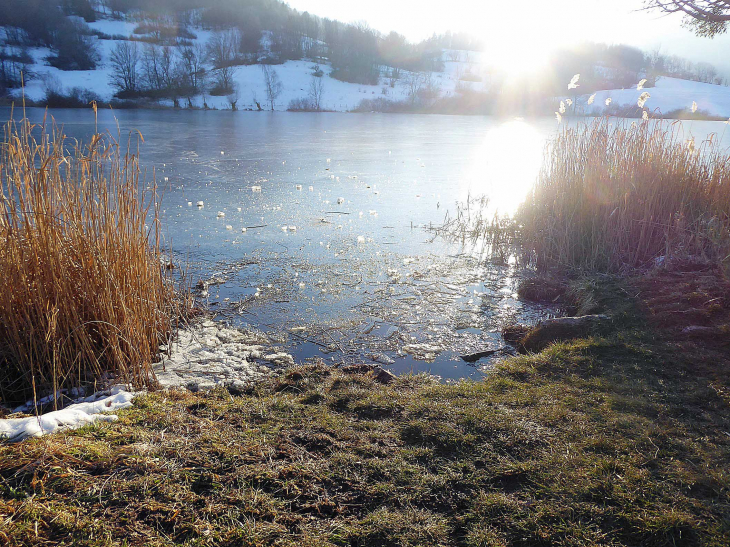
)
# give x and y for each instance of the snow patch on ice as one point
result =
(211, 354)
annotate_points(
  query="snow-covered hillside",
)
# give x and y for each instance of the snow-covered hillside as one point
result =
(669, 94)
(462, 69)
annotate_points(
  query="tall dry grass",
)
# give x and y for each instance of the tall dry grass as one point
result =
(614, 196)
(83, 295)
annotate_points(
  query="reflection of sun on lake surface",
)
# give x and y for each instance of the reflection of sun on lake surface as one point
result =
(506, 165)
(359, 272)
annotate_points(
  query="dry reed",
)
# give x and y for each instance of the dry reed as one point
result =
(480, 228)
(612, 197)
(84, 297)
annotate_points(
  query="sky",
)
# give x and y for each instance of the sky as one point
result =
(523, 32)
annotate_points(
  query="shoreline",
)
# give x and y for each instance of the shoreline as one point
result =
(617, 435)
(122, 105)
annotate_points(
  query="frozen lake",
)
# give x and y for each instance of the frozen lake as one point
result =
(335, 261)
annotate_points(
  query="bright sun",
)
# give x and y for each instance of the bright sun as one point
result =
(516, 57)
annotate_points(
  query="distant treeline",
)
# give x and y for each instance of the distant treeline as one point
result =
(42, 23)
(266, 28)
(161, 59)
(604, 66)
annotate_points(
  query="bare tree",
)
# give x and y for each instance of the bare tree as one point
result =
(124, 62)
(51, 84)
(430, 89)
(158, 67)
(255, 100)
(316, 92)
(414, 81)
(222, 50)
(223, 80)
(233, 98)
(191, 71)
(272, 83)
(705, 17)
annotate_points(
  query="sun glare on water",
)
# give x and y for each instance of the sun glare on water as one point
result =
(506, 165)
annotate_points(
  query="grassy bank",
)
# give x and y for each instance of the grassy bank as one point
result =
(622, 439)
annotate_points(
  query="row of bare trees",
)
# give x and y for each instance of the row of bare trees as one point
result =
(679, 67)
(176, 71)
(161, 71)
(180, 71)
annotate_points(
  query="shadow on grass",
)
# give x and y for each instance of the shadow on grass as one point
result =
(612, 440)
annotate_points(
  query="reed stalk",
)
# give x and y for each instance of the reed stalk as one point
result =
(615, 196)
(84, 297)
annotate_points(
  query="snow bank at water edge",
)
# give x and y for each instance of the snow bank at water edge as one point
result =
(210, 354)
(203, 356)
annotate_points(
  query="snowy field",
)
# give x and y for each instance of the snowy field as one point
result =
(295, 77)
(669, 94)
(465, 69)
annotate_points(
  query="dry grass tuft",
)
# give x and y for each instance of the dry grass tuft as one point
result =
(84, 296)
(617, 196)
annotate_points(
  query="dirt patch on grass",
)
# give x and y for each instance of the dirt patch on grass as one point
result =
(681, 302)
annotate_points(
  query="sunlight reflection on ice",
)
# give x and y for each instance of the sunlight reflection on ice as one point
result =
(507, 164)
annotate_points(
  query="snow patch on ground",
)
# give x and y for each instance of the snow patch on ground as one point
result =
(210, 354)
(113, 27)
(667, 95)
(203, 356)
(71, 417)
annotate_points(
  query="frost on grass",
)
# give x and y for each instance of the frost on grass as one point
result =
(72, 417)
